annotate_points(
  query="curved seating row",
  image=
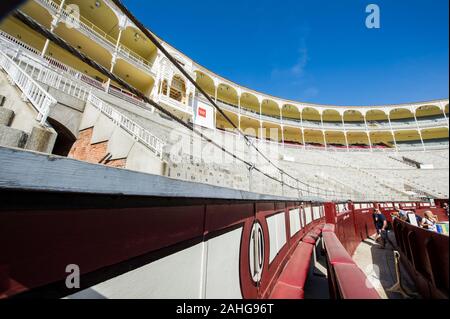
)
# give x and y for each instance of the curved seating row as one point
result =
(346, 280)
(291, 283)
(425, 255)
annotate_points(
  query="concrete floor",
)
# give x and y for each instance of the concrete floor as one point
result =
(379, 266)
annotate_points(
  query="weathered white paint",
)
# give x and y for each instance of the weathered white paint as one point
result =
(173, 277)
(308, 215)
(316, 212)
(222, 279)
(294, 219)
(35, 171)
(277, 234)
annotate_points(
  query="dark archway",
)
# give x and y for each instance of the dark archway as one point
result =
(64, 140)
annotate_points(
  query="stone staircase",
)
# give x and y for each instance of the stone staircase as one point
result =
(108, 137)
(12, 134)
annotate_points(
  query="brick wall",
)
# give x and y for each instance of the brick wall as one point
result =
(119, 163)
(83, 150)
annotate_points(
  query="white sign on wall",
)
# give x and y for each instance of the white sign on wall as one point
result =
(204, 115)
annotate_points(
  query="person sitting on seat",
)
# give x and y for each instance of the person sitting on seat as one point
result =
(381, 226)
(429, 221)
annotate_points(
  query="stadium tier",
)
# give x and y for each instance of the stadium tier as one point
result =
(336, 152)
(164, 186)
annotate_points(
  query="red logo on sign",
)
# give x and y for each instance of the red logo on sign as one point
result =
(202, 112)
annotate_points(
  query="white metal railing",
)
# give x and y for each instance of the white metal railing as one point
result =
(140, 134)
(174, 103)
(125, 95)
(32, 91)
(90, 29)
(374, 126)
(12, 46)
(54, 79)
(16, 42)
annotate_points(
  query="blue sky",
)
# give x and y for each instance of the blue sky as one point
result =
(313, 51)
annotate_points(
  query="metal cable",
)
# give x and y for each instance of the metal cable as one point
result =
(156, 42)
(63, 44)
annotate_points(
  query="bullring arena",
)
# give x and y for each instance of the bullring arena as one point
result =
(163, 187)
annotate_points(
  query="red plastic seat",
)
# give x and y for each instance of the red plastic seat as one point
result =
(292, 280)
(296, 271)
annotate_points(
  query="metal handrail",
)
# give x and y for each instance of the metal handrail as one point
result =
(41, 100)
(90, 28)
(137, 132)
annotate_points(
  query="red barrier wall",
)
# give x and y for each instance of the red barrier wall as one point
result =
(425, 255)
(356, 224)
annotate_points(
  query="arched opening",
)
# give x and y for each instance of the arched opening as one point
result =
(227, 95)
(436, 135)
(64, 140)
(382, 139)
(401, 114)
(38, 13)
(136, 78)
(99, 16)
(271, 132)
(358, 139)
(408, 138)
(310, 114)
(314, 138)
(85, 44)
(250, 126)
(206, 83)
(429, 112)
(376, 116)
(292, 135)
(138, 45)
(164, 87)
(332, 116)
(270, 108)
(223, 124)
(290, 113)
(250, 103)
(353, 117)
(35, 40)
(335, 138)
(23, 33)
(178, 89)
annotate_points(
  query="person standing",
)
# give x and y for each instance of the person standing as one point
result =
(381, 226)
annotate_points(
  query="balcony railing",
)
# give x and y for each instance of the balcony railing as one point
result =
(14, 47)
(174, 103)
(32, 91)
(372, 126)
(91, 30)
(54, 79)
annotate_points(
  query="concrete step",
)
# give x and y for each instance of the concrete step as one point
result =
(6, 116)
(11, 137)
